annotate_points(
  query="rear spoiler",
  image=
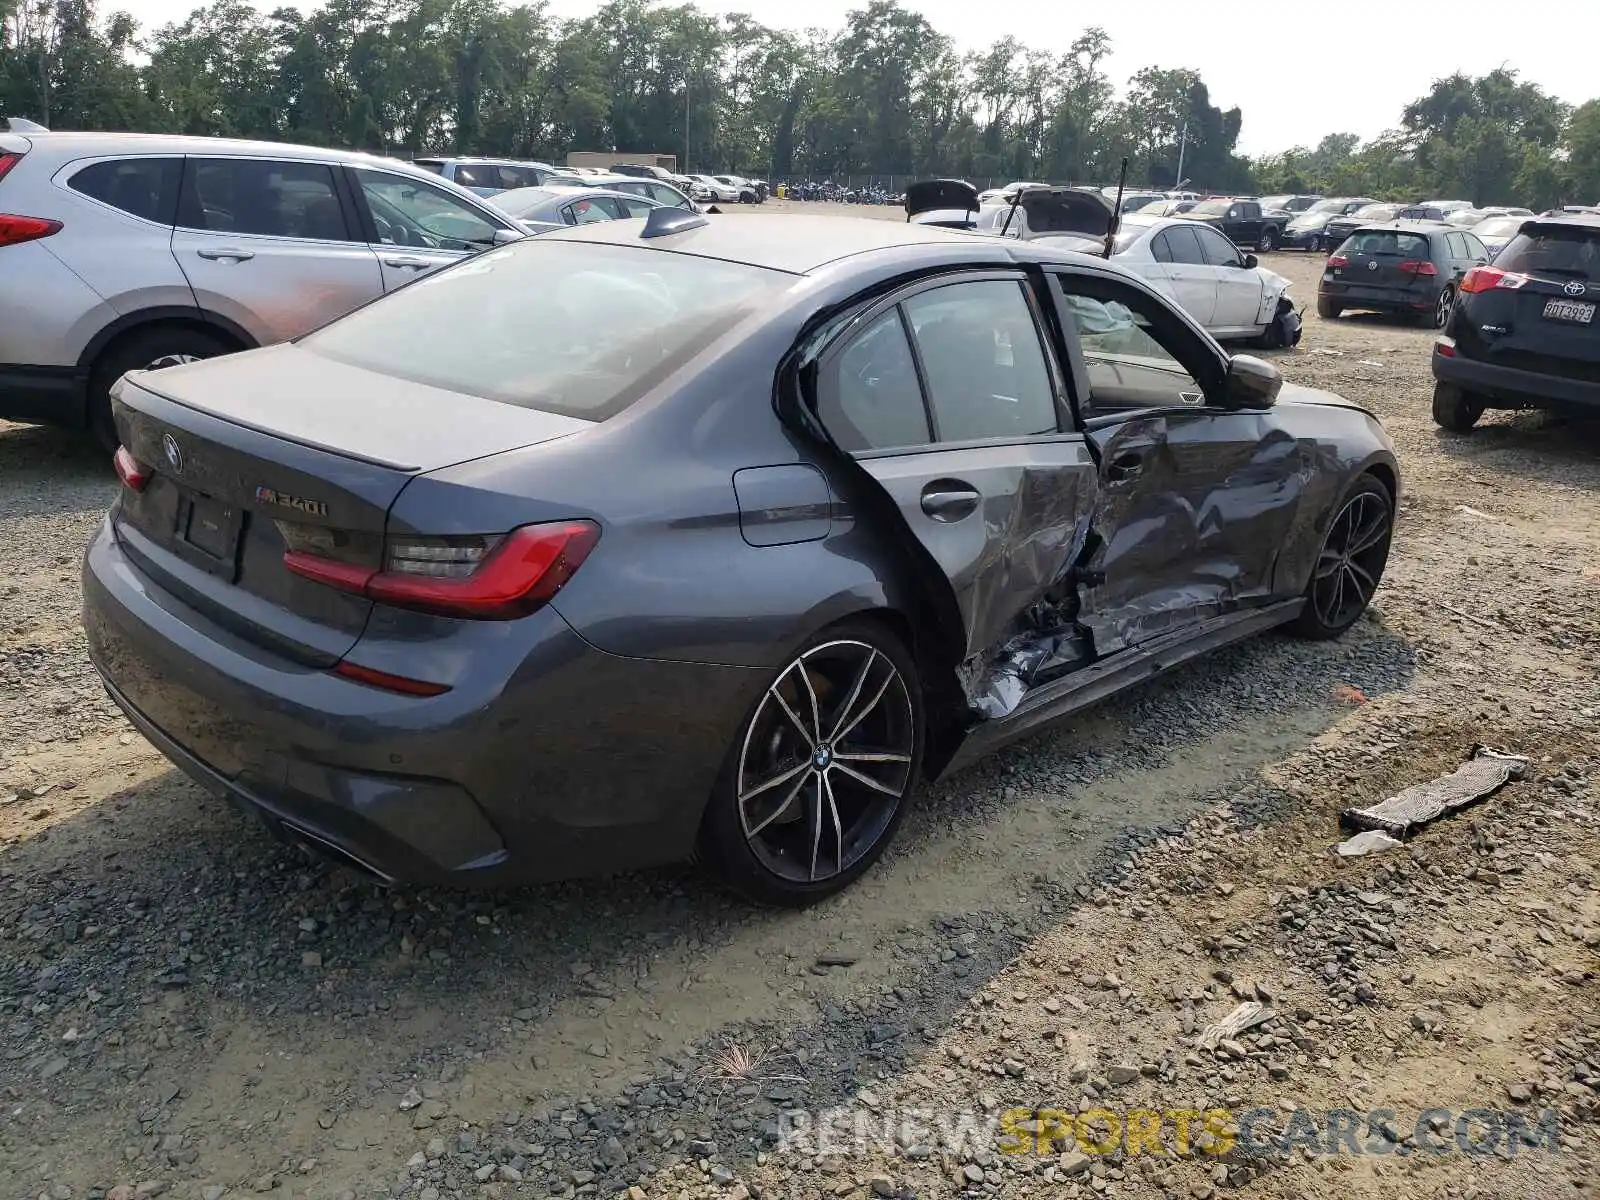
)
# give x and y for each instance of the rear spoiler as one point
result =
(20, 125)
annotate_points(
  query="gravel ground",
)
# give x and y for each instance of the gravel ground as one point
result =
(188, 1009)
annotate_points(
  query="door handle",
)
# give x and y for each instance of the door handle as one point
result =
(407, 260)
(1126, 465)
(226, 252)
(949, 500)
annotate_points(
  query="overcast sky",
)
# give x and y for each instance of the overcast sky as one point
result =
(1313, 69)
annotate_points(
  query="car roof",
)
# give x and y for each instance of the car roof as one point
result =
(801, 243)
(1585, 221)
(473, 158)
(88, 144)
(1422, 228)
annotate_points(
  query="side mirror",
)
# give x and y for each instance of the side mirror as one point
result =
(1251, 383)
(502, 236)
(1251, 262)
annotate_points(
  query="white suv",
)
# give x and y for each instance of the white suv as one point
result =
(127, 251)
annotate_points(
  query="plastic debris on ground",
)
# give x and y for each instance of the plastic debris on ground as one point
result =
(1373, 841)
(1247, 1016)
(1481, 775)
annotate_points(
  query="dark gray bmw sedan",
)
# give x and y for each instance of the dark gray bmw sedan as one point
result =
(708, 537)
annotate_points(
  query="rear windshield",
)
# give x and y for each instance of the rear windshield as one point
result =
(1498, 226)
(573, 328)
(1568, 252)
(1211, 208)
(521, 200)
(1387, 243)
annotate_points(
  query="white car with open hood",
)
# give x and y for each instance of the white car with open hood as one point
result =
(1223, 288)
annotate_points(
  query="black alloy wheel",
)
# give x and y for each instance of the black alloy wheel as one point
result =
(820, 776)
(1443, 307)
(1350, 565)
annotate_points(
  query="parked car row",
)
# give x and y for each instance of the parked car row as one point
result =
(1191, 261)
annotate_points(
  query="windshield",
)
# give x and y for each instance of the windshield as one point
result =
(1211, 208)
(1378, 212)
(1327, 206)
(1570, 252)
(578, 329)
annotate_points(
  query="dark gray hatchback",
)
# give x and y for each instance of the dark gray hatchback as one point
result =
(1410, 267)
(656, 538)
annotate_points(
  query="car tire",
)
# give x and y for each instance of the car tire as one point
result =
(1454, 409)
(146, 350)
(1329, 310)
(1443, 307)
(1268, 241)
(769, 831)
(1350, 562)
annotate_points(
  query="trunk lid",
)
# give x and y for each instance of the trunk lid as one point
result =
(256, 454)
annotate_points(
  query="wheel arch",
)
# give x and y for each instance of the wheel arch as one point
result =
(132, 324)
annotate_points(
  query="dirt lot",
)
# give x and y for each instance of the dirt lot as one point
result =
(189, 1009)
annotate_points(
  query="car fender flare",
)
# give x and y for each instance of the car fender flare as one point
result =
(156, 316)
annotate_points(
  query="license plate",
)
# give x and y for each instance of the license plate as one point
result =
(212, 528)
(1579, 312)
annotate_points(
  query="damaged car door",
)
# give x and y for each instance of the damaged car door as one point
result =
(947, 396)
(1195, 497)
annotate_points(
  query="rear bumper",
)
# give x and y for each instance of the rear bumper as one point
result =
(575, 763)
(43, 395)
(1515, 388)
(1380, 299)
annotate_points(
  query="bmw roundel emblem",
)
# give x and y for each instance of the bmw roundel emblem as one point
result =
(1575, 287)
(173, 451)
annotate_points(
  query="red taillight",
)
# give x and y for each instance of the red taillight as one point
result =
(1445, 347)
(1338, 260)
(7, 161)
(14, 230)
(476, 578)
(388, 682)
(133, 473)
(1485, 279)
(1418, 266)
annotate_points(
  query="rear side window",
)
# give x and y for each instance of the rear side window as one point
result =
(875, 400)
(517, 177)
(1569, 251)
(263, 196)
(1183, 246)
(981, 356)
(565, 327)
(141, 187)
